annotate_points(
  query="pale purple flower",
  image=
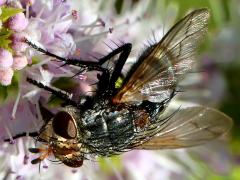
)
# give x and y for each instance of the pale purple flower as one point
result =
(6, 59)
(48, 24)
(18, 22)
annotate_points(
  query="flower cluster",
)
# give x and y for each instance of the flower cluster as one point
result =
(12, 48)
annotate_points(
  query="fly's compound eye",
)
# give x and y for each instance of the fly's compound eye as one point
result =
(63, 125)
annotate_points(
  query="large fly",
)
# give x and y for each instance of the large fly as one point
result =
(130, 112)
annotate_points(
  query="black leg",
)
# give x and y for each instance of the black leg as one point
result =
(61, 95)
(45, 113)
(124, 51)
(31, 134)
(85, 65)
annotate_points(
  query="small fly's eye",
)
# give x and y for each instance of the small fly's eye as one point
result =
(63, 125)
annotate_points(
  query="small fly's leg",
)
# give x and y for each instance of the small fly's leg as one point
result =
(57, 93)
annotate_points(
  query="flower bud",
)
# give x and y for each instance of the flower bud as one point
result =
(6, 59)
(19, 62)
(18, 43)
(18, 22)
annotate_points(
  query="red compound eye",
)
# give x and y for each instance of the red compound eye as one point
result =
(63, 125)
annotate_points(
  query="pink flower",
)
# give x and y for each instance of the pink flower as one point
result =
(18, 22)
(6, 59)
(6, 76)
(19, 62)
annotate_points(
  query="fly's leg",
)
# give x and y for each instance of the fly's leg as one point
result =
(64, 96)
(85, 65)
(124, 51)
(24, 134)
(106, 80)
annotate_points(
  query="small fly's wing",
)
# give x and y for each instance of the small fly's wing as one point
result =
(189, 127)
(162, 65)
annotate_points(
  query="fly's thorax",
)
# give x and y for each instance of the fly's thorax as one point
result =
(111, 129)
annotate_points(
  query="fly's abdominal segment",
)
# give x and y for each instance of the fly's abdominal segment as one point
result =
(131, 111)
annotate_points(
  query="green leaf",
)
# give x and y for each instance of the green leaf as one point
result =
(186, 5)
(118, 6)
(3, 93)
(5, 43)
(4, 39)
(13, 88)
(55, 101)
(9, 92)
(35, 60)
(64, 83)
(5, 33)
(106, 164)
(7, 12)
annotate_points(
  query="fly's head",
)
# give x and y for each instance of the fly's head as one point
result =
(61, 137)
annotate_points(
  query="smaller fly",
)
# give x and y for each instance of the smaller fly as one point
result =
(130, 112)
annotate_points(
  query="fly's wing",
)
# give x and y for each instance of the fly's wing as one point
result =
(161, 66)
(189, 127)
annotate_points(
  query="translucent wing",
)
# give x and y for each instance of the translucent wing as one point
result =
(162, 65)
(190, 127)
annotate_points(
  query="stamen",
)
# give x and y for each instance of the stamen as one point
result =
(45, 166)
(97, 35)
(16, 105)
(12, 141)
(25, 159)
(39, 115)
(27, 10)
(75, 14)
(93, 24)
(40, 13)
